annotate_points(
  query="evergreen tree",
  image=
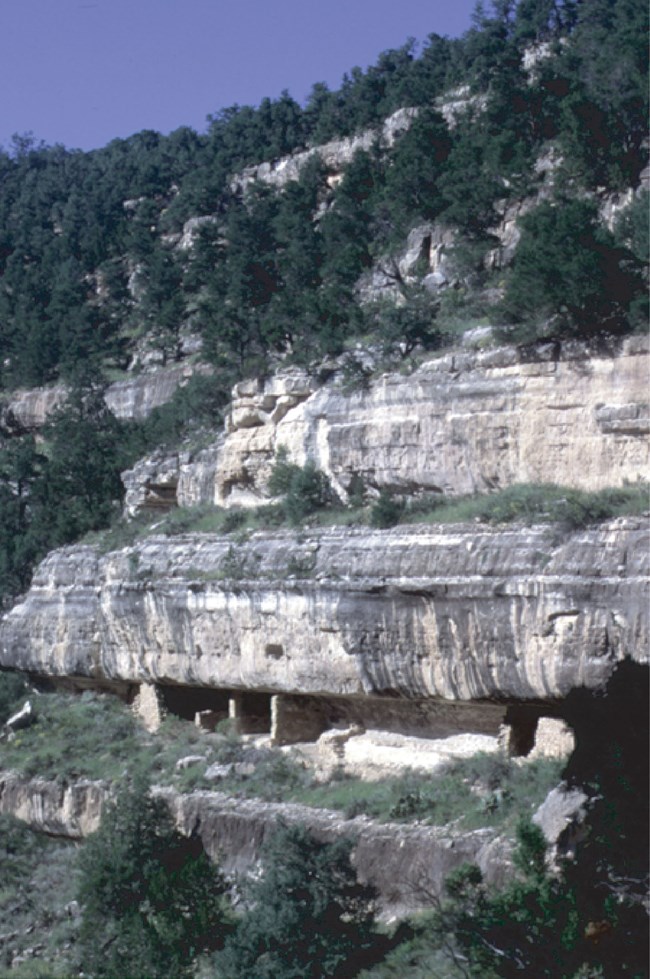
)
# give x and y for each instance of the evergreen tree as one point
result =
(151, 899)
(86, 453)
(309, 918)
(568, 266)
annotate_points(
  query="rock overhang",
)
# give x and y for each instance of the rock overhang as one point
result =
(461, 614)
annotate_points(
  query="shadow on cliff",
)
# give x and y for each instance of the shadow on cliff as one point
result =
(610, 764)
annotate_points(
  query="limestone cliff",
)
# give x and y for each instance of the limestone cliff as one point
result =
(131, 399)
(464, 422)
(457, 613)
(405, 863)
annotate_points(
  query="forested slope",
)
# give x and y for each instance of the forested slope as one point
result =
(128, 257)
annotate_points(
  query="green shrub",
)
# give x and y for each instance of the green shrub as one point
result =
(308, 917)
(537, 503)
(305, 489)
(387, 511)
(568, 266)
(151, 899)
(13, 688)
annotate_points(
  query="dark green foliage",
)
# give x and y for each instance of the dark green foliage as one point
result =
(13, 689)
(586, 918)
(413, 169)
(18, 845)
(86, 454)
(402, 327)
(70, 484)
(305, 488)
(529, 926)
(22, 499)
(275, 273)
(151, 899)
(602, 76)
(309, 918)
(568, 267)
(386, 512)
(590, 919)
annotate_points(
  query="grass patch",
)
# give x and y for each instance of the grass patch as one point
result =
(86, 735)
(526, 503)
(485, 790)
(530, 503)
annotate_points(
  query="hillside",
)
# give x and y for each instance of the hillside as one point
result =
(323, 501)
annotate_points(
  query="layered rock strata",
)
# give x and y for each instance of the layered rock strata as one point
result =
(415, 614)
(407, 864)
(131, 399)
(465, 422)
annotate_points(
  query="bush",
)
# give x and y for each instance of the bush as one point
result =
(387, 511)
(151, 899)
(305, 489)
(309, 917)
(537, 503)
(13, 687)
(567, 266)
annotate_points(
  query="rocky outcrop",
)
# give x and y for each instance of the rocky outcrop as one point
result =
(465, 422)
(152, 484)
(51, 807)
(425, 257)
(334, 155)
(457, 613)
(132, 399)
(407, 864)
(137, 397)
(27, 411)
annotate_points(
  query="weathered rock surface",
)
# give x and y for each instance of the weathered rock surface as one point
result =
(466, 422)
(463, 423)
(406, 863)
(50, 807)
(334, 155)
(455, 613)
(134, 398)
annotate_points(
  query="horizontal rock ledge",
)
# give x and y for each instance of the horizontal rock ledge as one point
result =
(456, 613)
(406, 863)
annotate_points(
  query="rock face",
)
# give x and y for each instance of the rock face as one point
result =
(405, 863)
(50, 807)
(335, 155)
(131, 399)
(458, 613)
(465, 422)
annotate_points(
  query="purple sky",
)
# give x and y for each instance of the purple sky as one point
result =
(82, 72)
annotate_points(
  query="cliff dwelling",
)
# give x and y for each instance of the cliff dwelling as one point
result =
(367, 736)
